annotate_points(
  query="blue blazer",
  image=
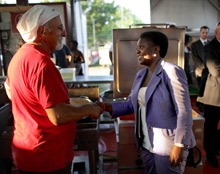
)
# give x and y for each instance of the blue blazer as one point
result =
(167, 102)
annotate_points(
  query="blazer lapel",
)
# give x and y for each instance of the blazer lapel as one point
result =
(136, 88)
(154, 81)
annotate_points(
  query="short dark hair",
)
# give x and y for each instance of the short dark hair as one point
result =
(204, 27)
(158, 39)
(188, 38)
(74, 42)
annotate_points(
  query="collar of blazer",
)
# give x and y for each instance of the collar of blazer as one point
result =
(159, 66)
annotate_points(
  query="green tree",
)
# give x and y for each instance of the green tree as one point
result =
(129, 18)
(46, 1)
(106, 17)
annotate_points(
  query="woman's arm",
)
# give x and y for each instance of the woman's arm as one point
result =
(180, 95)
(117, 109)
(82, 58)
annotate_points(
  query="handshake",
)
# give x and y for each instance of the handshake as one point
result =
(98, 108)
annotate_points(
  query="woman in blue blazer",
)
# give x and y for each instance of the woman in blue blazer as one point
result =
(161, 104)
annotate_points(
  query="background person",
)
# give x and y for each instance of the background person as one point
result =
(160, 101)
(62, 56)
(211, 98)
(111, 59)
(44, 121)
(78, 57)
(197, 47)
(112, 65)
(187, 50)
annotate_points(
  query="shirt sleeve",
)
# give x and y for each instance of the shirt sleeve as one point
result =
(180, 95)
(48, 87)
(121, 108)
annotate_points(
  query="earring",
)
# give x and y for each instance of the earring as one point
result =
(154, 55)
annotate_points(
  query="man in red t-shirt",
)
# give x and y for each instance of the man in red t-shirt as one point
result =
(44, 121)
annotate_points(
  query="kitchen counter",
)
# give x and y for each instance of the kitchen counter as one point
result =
(81, 79)
(90, 79)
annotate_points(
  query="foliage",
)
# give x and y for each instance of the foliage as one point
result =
(60, 1)
(46, 1)
(106, 16)
(129, 18)
(3, 2)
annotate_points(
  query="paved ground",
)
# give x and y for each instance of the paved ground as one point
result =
(100, 70)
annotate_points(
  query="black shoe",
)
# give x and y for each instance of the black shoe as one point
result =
(213, 161)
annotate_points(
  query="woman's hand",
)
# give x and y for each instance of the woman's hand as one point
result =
(176, 155)
(101, 104)
(105, 106)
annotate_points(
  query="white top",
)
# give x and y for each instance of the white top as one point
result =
(142, 118)
(141, 96)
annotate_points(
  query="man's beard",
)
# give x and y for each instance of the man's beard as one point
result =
(59, 45)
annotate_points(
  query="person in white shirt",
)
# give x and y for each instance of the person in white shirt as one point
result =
(211, 98)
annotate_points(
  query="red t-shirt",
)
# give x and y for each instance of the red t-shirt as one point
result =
(36, 84)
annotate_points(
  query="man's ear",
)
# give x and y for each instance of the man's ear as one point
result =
(216, 31)
(41, 30)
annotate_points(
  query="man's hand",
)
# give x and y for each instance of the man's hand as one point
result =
(101, 104)
(96, 110)
(176, 155)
